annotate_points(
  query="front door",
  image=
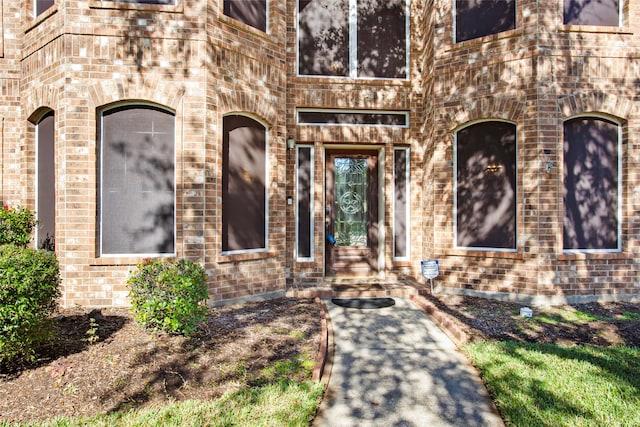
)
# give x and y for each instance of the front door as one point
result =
(351, 220)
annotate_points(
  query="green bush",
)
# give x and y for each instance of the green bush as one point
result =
(169, 295)
(29, 288)
(16, 225)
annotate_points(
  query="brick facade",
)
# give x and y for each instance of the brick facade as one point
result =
(81, 56)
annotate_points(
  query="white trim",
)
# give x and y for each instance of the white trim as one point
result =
(353, 45)
(353, 111)
(267, 164)
(619, 194)
(311, 203)
(143, 104)
(455, 189)
(407, 173)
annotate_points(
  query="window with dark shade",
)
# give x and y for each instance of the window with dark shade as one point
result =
(357, 38)
(591, 184)
(479, 18)
(43, 5)
(382, 39)
(304, 202)
(137, 181)
(46, 189)
(401, 203)
(589, 12)
(331, 117)
(167, 2)
(244, 175)
(486, 186)
(250, 12)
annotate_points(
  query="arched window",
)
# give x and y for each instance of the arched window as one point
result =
(486, 186)
(244, 178)
(137, 181)
(46, 181)
(591, 184)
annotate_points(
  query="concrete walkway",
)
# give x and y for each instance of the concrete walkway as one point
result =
(393, 367)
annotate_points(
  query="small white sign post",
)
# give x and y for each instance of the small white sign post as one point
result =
(430, 270)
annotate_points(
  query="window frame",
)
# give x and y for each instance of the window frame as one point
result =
(311, 203)
(404, 114)
(622, 7)
(353, 43)
(266, 187)
(454, 25)
(144, 2)
(619, 192)
(46, 114)
(455, 189)
(143, 105)
(407, 189)
(267, 25)
(177, 7)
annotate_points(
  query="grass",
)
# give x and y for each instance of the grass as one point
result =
(551, 385)
(278, 404)
(577, 317)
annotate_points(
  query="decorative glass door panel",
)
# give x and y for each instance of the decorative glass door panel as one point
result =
(351, 213)
(350, 203)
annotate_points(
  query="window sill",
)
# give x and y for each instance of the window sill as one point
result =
(42, 17)
(574, 256)
(98, 4)
(245, 28)
(486, 253)
(594, 29)
(380, 81)
(249, 256)
(466, 44)
(125, 260)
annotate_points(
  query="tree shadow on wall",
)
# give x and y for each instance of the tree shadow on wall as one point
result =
(486, 186)
(324, 43)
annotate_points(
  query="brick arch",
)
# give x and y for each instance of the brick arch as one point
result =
(148, 88)
(41, 100)
(484, 109)
(595, 102)
(260, 107)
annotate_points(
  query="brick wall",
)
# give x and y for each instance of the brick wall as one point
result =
(81, 56)
(536, 76)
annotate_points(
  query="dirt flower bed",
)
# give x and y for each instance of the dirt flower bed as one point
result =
(103, 361)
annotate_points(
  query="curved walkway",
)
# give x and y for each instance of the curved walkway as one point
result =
(394, 367)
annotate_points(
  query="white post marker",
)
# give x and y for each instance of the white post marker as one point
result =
(430, 270)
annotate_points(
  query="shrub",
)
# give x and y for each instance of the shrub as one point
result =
(29, 288)
(16, 225)
(169, 295)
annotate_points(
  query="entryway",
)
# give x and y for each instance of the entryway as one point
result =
(351, 213)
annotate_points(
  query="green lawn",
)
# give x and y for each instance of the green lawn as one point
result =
(552, 385)
(278, 404)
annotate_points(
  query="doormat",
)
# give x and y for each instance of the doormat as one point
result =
(364, 303)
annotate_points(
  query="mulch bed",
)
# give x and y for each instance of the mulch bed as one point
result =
(484, 319)
(126, 366)
(110, 363)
